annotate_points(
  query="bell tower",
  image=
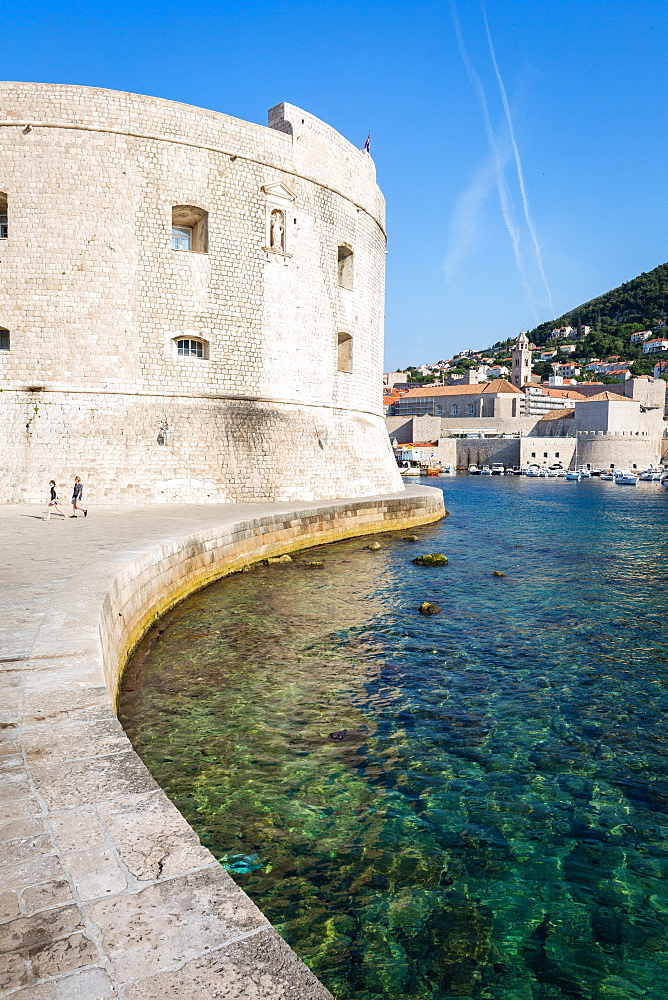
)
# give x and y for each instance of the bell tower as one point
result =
(521, 361)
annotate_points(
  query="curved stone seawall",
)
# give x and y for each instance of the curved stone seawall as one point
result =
(105, 890)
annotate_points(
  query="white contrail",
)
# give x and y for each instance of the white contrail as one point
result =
(464, 225)
(501, 184)
(518, 162)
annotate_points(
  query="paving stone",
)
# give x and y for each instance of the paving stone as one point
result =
(172, 921)
(43, 868)
(67, 742)
(46, 894)
(76, 829)
(89, 984)
(14, 829)
(259, 967)
(65, 955)
(14, 971)
(9, 906)
(132, 820)
(26, 847)
(78, 783)
(20, 808)
(29, 932)
(95, 872)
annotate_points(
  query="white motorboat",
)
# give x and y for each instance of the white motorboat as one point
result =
(573, 476)
(485, 471)
(474, 470)
(543, 473)
(449, 470)
(584, 473)
(533, 471)
(624, 478)
(409, 468)
(609, 477)
(498, 469)
(651, 475)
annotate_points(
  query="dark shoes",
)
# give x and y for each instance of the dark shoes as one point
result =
(85, 513)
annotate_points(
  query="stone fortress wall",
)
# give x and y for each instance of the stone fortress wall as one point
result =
(285, 403)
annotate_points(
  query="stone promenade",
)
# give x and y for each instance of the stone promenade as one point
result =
(105, 891)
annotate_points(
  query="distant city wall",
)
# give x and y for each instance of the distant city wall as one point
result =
(514, 452)
(602, 451)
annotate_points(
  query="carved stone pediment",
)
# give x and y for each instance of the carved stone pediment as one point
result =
(279, 192)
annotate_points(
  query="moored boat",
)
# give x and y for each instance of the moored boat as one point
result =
(498, 469)
(474, 470)
(485, 471)
(624, 478)
(573, 476)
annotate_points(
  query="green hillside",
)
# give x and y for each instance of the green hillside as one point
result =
(639, 304)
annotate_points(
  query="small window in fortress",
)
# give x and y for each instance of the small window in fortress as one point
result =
(439, 410)
(3, 216)
(455, 409)
(190, 349)
(190, 228)
(514, 407)
(4, 340)
(345, 352)
(345, 266)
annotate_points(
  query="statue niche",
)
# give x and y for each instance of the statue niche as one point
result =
(277, 230)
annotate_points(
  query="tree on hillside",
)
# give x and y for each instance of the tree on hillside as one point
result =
(641, 303)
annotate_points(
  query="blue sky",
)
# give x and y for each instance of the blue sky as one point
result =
(554, 195)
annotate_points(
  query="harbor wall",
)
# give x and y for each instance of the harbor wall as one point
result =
(514, 452)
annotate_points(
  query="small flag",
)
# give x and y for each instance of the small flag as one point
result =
(367, 144)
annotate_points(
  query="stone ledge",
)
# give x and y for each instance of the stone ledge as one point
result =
(105, 890)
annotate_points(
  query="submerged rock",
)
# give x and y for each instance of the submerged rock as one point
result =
(497, 573)
(428, 608)
(433, 559)
(314, 564)
(412, 538)
(279, 559)
(375, 546)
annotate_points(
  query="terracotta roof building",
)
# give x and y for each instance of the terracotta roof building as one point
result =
(487, 399)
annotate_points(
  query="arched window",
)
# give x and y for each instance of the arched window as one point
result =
(188, 347)
(4, 339)
(3, 216)
(190, 228)
(345, 266)
(344, 361)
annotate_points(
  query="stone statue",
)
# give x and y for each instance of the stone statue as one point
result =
(277, 229)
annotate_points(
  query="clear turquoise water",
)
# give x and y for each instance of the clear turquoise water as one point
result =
(496, 823)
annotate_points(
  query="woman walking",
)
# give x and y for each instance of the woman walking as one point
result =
(53, 501)
(76, 498)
